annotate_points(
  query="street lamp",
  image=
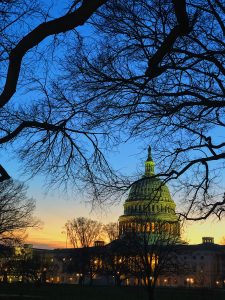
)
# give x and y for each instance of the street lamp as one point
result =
(190, 281)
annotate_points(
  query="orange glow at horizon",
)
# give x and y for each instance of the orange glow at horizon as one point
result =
(55, 209)
(55, 213)
(54, 218)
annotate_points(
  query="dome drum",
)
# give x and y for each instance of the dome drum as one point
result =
(148, 207)
(149, 227)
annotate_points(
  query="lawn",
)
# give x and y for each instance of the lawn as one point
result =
(73, 292)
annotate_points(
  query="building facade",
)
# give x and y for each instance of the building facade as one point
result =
(200, 266)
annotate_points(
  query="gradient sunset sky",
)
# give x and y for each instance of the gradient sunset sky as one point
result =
(54, 207)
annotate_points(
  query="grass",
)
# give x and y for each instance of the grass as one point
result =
(74, 292)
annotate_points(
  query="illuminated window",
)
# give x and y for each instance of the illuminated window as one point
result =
(139, 227)
(153, 227)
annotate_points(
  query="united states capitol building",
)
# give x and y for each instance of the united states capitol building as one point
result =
(150, 217)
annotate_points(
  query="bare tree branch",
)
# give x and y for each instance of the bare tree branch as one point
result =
(4, 174)
(60, 25)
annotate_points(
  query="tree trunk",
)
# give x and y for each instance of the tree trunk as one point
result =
(5, 277)
(117, 281)
(91, 280)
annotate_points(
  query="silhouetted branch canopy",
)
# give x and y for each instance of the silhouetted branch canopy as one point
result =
(16, 212)
(77, 85)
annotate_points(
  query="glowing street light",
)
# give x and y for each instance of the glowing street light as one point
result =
(190, 281)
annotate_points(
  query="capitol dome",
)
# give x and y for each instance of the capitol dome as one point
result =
(149, 202)
(146, 189)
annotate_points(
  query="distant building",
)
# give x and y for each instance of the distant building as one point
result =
(201, 265)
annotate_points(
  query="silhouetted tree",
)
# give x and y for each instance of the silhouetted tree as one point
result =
(157, 73)
(56, 134)
(153, 254)
(115, 262)
(20, 34)
(112, 231)
(83, 232)
(16, 212)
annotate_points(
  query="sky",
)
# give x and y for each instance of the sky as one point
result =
(54, 207)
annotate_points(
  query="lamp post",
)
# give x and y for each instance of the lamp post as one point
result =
(5, 275)
(150, 279)
(190, 281)
(80, 278)
(43, 275)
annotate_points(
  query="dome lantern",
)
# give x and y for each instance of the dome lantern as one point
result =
(149, 164)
